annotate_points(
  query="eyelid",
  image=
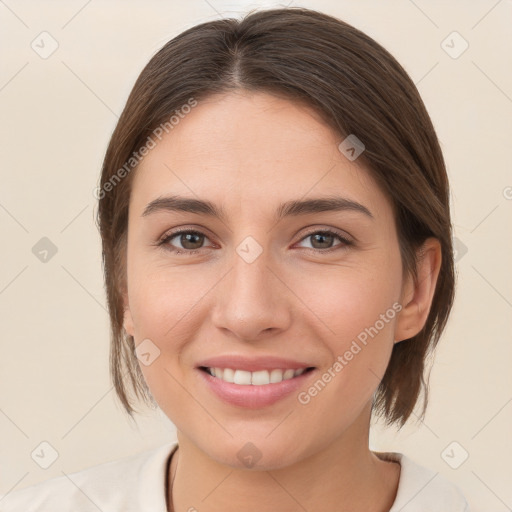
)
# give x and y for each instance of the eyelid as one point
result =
(328, 229)
(204, 231)
(184, 229)
(345, 239)
(169, 235)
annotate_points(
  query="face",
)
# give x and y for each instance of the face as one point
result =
(317, 288)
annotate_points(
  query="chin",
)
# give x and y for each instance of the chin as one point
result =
(256, 453)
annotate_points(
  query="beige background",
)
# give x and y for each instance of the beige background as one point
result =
(57, 114)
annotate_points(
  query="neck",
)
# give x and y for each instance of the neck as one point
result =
(343, 476)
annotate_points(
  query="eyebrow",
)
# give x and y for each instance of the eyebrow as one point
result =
(290, 208)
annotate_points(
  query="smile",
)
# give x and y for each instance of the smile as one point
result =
(254, 389)
(257, 378)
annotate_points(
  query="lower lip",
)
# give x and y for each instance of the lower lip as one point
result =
(250, 396)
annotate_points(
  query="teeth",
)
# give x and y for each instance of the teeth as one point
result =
(228, 375)
(240, 377)
(259, 378)
(277, 376)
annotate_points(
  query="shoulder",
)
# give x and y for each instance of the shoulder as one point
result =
(420, 489)
(121, 485)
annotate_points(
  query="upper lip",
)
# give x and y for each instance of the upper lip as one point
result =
(252, 364)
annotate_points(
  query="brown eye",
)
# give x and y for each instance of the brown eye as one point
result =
(326, 240)
(191, 240)
(185, 241)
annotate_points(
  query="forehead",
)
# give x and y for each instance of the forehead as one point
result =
(251, 149)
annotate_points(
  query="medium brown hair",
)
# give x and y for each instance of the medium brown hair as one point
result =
(358, 88)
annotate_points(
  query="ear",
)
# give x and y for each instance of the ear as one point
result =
(127, 316)
(417, 296)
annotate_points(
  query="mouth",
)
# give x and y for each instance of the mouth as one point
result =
(256, 389)
(255, 378)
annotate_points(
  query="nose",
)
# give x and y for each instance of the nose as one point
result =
(252, 301)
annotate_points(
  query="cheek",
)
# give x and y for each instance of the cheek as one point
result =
(165, 304)
(346, 302)
(162, 300)
(355, 311)
(168, 308)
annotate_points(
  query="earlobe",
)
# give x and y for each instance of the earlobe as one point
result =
(127, 317)
(417, 295)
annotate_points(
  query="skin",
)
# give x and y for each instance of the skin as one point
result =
(248, 152)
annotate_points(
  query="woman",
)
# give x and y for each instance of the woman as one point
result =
(274, 213)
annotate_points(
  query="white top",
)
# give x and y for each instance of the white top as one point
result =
(138, 484)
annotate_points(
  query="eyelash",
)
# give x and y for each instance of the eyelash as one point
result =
(163, 242)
